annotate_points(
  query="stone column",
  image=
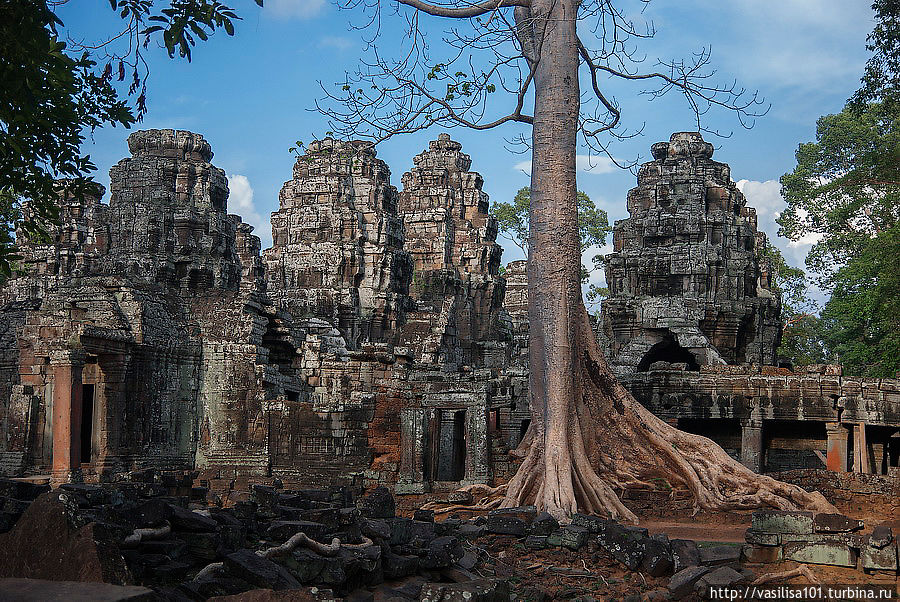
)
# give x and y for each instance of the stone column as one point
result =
(836, 456)
(478, 442)
(752, 450)
(65, 368)
(412, 451)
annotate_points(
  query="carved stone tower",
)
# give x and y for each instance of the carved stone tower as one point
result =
(684, 277)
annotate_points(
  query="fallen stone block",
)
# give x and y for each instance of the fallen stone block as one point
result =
(682, 583)
(831, 553)
(247, 565)
(761, 554)
(204, 546)
(878, 559)
(506, 525)
(594, 524)
(524, 513)
(442, 552)
(657, 559)
(397, 566)
(376, 529)
(401, 530)
(282, 530)
(22, 489)
(379, 503)
(623, 545)
(183, 519)
(544, 524)
(304, 564)
(469, 531)
(720, 577)
(761, 538)
(685, 553)
(536, 542)
(52, 541)
(422, 532)
(572, 537)
(18, 589)
(719, 555)
(781, 521)
(881, 537)
(836, 523)
(480, 590)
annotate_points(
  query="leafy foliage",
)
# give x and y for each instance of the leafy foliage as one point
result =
(845, 188)
(881, 80)
(861, 321)
(801, 339)
(53, 93)
(593, 228)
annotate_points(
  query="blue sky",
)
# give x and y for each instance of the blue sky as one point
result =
(253, 95)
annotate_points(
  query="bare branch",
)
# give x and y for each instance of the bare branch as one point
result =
(474, 10)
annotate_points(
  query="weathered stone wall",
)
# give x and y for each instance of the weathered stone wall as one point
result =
(684, 277)
(140, 322)
(338, 241)
(376, 341)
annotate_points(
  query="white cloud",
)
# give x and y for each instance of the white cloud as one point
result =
(240, 201)
(336, 42)
(294, 9)
(766, 198)
(583, 163)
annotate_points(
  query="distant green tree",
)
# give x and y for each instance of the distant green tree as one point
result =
(881, 79)
(801, 338)
(845, 189)
(593, 228)
(861, 321)
(53, 92)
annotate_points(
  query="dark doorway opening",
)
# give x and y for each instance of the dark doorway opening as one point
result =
(292, 395)
(87, 422)
(669, 351)
(452, 446)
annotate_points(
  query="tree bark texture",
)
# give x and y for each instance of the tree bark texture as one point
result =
(588, 436)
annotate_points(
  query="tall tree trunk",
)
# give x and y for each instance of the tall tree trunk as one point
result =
(588, 435)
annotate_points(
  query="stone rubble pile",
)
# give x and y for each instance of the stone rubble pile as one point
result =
(138, 532)
(830, 539)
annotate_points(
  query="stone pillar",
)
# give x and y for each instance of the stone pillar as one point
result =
(836, 456)
(478, 454)
(752, 446)
(412, 451)
(65, 369)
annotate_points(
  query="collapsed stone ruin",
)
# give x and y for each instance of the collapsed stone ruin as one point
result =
(377, 342)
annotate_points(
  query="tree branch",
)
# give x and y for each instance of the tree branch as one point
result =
(474, 10)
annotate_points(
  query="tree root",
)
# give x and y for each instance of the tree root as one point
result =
(797, 572)
(295, 541)
(490, 498)
(208, 570)
(302, 539)
(576, 457)
(139, 535)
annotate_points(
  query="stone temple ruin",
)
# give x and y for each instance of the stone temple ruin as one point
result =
(376, 341)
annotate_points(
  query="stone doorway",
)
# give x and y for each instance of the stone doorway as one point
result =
(87, 424)
(668, 350)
